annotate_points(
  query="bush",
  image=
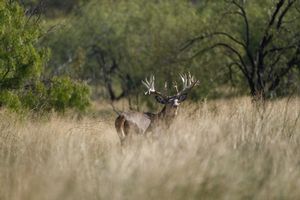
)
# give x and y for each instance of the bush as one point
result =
(21, 58)
(35, 98)
(59, 94)
(21, 65)
(65, 93)
(10, 100)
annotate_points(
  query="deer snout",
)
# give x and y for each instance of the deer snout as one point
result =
(176, 103)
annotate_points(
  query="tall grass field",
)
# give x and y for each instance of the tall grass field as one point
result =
(226, 149)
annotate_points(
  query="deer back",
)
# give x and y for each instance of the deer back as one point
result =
(141, 121)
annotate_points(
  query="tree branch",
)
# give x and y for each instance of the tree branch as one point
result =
(247, 36)
(242, 64)
(294, 61)
(267, 38)
(4, 76)
(284, 12)
(246, 21)
(279, 49)
(265, 41)
(206, 36)
(275, 13)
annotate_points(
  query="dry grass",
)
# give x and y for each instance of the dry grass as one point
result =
(217, 150)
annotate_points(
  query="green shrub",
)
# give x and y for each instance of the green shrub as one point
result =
(59, 94)
(35, 98)
(10, 100)
(21, 64)
(65, 93)
(21, 57)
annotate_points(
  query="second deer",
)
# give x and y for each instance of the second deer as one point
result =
(129, 123)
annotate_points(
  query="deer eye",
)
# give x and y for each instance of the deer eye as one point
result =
(161, 100)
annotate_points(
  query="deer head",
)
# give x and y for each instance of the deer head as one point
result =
(171, 102)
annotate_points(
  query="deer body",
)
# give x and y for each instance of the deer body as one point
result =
(127, 122)
(141, 123)
(130, 123)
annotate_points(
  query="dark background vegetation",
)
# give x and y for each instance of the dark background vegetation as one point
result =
(57, 54)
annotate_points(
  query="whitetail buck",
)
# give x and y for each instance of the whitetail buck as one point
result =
(128, 123)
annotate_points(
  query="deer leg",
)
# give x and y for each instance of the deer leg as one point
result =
(121, 127)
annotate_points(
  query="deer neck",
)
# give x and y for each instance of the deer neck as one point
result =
(161, 118)
(162, 113)
(167, 114)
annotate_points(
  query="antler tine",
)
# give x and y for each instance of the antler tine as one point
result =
(188, 82)
(175, 86)
(166, 87)
(183, 78)
(149, 84)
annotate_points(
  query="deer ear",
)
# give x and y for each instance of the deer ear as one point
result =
(161, 100)
(182, 97)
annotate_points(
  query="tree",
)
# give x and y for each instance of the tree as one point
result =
(115, 44)
(21, 64)
(264, 45)
(21, 59)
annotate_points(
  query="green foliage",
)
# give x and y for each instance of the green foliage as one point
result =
(20, 57)
(66, 93)
(10, 100)
(21, 65)
(113, 45)
(122, 42)
(60, 94)
(35, 98)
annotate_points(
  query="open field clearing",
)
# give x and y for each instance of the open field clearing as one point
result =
(215, 150)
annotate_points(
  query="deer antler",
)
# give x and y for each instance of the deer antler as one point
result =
(149, 84)
(188, 82)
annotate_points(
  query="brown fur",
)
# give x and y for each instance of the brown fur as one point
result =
(120, 127)
(134, 123)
